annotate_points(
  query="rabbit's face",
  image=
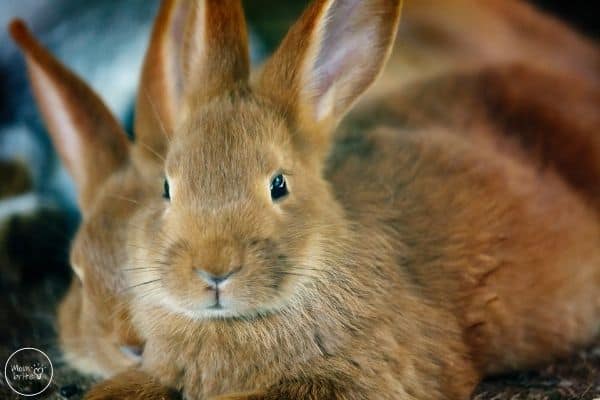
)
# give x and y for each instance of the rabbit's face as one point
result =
(94, 327)
(236, 229)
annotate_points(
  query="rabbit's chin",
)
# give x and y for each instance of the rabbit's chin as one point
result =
(223, 311)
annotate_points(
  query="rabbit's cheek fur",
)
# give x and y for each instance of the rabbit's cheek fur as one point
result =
(94, 320)
(88, 343)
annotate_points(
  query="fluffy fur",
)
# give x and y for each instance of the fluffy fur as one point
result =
(448, 231)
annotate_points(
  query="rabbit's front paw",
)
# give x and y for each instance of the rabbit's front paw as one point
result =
(131, 385)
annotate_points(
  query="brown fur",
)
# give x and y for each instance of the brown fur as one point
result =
(452, 233)
(94, 317)
(132, 384)
(437, 36)
(482, 145)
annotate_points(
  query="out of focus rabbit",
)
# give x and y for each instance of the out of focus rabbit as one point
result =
(95, 333)
(449, 231)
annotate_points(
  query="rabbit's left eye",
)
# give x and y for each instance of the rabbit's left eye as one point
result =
(278, 187)
(166, 193)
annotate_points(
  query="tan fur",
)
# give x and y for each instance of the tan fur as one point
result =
(452, 232)
(132, 384)
(94, 316)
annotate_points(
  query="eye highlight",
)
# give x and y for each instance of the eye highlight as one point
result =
(166, 193)
(278, 187)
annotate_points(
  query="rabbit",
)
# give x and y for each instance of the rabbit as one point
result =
(89, 338)
(95, 332)
(419, 19)
(445, 252)
(430, 248)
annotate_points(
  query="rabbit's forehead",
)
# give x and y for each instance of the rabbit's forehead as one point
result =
(227, 147)
(229, 150)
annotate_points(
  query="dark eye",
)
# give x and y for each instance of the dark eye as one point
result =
(166, 193)
(278, 187)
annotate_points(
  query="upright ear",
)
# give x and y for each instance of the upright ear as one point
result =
(87, 137)
(198, 48)
(330, 57)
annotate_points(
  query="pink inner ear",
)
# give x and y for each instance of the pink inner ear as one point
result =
(348, 50)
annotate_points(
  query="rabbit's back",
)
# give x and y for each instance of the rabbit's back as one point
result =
(486, 184)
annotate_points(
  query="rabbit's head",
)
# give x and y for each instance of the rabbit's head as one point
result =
(244, 220)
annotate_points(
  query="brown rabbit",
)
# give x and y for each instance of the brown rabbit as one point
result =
(453, 247)
(95, 333)
(433, 37)
(445, 253)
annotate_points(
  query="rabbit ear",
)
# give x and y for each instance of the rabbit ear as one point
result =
(330, 57)
(198, 48)
(87, 137)
(161, 83)
(215, 47)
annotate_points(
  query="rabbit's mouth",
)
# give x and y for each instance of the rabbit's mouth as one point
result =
(217, 305)
(234, 299)
(228, 279)
(214, 311)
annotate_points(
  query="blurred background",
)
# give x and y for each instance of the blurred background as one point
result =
(104, 42)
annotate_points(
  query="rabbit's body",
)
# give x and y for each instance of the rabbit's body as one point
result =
(461, 248)
(453, 231)
(472, 180)
(435, 38)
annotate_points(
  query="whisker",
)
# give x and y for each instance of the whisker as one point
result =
(296, 274)
(140, 284)
(116, 196)
(141, 268)
(158, 117)
(306, 268)
(150, 149)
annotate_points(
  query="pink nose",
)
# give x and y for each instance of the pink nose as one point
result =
(217, 259)
(214, 280)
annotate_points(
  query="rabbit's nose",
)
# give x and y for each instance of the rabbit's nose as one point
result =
(214, 280)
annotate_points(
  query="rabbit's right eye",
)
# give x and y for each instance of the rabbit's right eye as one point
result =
(166, 193)
(278, 187)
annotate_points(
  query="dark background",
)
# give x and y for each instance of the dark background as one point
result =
(580, 13)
